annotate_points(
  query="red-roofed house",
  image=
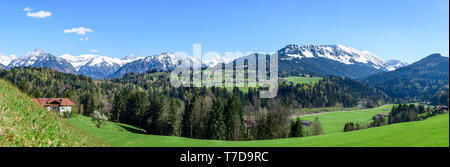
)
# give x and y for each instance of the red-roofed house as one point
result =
(55, 104)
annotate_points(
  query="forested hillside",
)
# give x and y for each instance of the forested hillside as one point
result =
(418, 81)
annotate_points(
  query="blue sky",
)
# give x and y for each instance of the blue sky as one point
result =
(403, 29)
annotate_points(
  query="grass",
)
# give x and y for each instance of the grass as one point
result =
(23, 123)
(430, 132)
(333, 122)
(303, 80)
(301, 111)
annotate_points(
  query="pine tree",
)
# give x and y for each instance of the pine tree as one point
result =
(119, 106)
(87, 102)
(216, 124)
(234, 119)
(296, 128)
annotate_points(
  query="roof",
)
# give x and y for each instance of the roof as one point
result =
(306, 122)
(53, 101)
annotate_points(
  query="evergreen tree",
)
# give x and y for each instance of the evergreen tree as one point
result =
(87, 101)
(153, 115)
(296, 128)
(216, 124)
(234, 119)
(119, 106)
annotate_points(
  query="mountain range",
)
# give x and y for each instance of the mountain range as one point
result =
(39, 58)
(320, 60)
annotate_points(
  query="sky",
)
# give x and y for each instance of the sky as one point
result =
(402, 29)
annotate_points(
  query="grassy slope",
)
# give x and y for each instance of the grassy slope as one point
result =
(334, 122)
(24, 123)
(303, 80)
(431, 132)
(293, 79)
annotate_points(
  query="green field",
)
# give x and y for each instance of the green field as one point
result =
(303, 80)
(24, 123)
(333, 122)
(302, 111)
(431, 132)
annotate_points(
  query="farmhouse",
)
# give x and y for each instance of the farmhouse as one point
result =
(380, 115)
(61, 105)
(441, 108)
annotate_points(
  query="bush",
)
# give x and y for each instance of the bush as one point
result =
(99, 118)
(349, 127)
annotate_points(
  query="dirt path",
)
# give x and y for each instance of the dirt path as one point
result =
(295, 116)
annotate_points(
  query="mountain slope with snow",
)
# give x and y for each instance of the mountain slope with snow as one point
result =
(395, 64)
(96, 66)
(329, 60)
(162, 62)
(340, 53)
(5, 60)
(39, 58)
(319, 60)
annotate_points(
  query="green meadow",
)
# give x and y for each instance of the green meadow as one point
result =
(303, 80)
(333, 122)
(430, 132)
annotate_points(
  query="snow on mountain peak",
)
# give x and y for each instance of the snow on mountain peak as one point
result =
(129, 57)
(30, 58)
(216, 60)
(340, 53)
(6, 60)
(395, 64)
(95, 60)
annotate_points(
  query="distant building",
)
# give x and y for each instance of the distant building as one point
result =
(380, 115)
(441, 108)
(306, 123)
(61, 105)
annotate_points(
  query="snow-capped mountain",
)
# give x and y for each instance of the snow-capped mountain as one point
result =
(330, 60)
(395, 64)
(5, 60)
(161, 62)
(318, 60)
(340, 53)
(216, 60)
(130, 58)
(165, 62)
(39, 58)
(97, 66)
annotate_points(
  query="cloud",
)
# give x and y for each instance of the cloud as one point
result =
(85, 38)
(94, 51)
(79, 30)
(27, 9)
(40, 14)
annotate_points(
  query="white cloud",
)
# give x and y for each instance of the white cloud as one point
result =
(40, 14)
(27, 9)
(94, 51)
(85, 38)
(79, 30)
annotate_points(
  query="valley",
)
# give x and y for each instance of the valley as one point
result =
(143, 109)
